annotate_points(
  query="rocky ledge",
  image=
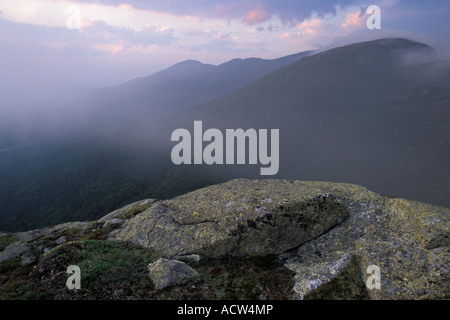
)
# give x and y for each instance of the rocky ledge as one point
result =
(314, 229)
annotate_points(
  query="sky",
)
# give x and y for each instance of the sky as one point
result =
(82, 43)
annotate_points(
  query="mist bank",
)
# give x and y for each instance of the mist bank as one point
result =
(51, 111)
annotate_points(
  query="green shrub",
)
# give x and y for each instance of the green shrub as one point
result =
(21, 290)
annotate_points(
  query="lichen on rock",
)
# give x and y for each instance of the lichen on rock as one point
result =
(239, 218)
(407, 240)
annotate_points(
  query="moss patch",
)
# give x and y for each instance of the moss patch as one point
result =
(109, 270)
(21, 290)
(117, 270)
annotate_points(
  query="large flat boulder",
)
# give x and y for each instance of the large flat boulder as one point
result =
(238, 218)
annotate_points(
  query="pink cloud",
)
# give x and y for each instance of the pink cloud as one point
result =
(109, 48)
(311, 27)
(257, 15)
(353, 19)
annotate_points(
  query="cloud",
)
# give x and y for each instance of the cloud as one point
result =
(101, 32)
(354, 19)
(257, 15)
(311, 27)
(251, 11)
(288, 11)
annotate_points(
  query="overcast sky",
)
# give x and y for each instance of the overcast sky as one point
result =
(102, 43)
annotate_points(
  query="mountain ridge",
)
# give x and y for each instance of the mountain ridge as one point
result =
(182, 85)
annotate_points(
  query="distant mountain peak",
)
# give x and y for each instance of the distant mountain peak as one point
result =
(189, 63)
(391, 43)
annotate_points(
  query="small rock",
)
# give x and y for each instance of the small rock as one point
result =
(26, 260)
(61, 240)
(313, 284)
(268, 200)
(168, 273)
(118, 292)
